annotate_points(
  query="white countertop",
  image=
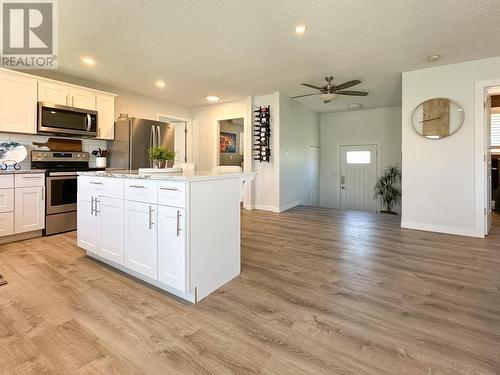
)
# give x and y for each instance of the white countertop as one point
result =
(21, 171)
(178, 176)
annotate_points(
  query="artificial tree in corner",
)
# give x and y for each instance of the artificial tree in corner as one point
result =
(387, 190)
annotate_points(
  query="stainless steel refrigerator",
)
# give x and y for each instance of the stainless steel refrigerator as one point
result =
(133, 138)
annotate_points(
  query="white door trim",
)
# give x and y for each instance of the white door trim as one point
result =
(189, 135)
(480, 186)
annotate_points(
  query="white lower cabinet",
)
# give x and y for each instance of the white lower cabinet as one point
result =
(29, 208)
(6, 223)
(172, 247)
(110, 229)
(140, 239)
(86, 235)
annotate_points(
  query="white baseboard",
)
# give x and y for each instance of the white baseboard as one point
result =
(441, 229)
(288, 206)
(266, 208)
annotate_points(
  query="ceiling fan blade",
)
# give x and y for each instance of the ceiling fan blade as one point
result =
(326, 101)
(346, 85)
(351, 93)
(313, 86)
(301, 96)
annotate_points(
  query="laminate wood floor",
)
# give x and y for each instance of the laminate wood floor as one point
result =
(321, 292)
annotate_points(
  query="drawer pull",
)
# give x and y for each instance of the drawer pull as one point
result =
(178, 222)
(37, 177)
(96, 183)
(169, 189)
(137, 186)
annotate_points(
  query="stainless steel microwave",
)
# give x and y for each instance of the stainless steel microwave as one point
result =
(62, 120)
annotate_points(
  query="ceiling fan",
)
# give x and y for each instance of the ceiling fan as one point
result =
(329, 92)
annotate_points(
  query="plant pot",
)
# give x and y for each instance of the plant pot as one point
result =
(100, 162)
(170, 163)
(159, 163)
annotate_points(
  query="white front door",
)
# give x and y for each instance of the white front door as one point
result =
(358, 172)
(487, 120)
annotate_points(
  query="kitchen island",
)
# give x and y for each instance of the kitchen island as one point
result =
(179, 232)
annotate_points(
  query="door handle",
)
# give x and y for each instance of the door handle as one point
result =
(151, 211)
(43, 193)
(178, 222)
(95, 210)
(89, 122)
(137, 186)
(158, 140)
(96, 182)
(91, 206)
(169, 189)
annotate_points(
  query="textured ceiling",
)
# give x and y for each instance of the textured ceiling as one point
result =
(234, 48)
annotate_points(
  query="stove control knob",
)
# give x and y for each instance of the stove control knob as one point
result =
(78, 155)
(44, 155)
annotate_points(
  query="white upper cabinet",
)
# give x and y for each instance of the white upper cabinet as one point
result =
(105, 107)
(81, 98)
(59, 93)
(52, 92)
(18, 96)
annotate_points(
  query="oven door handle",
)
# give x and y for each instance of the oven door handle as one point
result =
(68, 174)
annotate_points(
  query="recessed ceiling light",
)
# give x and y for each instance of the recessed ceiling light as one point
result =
(212, 98)
(88, 61)
(300, 29)
(160, 84)
(354, 106)
(432, 58)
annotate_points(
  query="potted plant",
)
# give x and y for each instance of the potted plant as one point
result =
(387, 190)
(161, 157)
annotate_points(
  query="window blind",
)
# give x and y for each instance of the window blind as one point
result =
(495, 129)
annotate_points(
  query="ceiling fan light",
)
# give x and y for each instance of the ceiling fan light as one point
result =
(327, 97)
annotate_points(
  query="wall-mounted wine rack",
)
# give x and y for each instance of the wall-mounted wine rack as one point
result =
(262, 134)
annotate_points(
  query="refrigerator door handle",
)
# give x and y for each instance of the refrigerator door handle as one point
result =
(158, 128)
(151, 143)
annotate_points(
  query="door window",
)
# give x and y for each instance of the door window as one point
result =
(358, 157)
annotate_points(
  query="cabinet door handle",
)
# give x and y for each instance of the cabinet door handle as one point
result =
(169, 189)
(151, 211)
(95, 210)
(31, 177)
(137, 186)
(96, 183)
(43, 193)
(72, 101)
(178, 222)
(91, 206)
(67, 102)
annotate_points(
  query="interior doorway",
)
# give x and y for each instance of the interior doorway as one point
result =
(231, 147)
(180, 137)
(315, 168)
(358, 173)
(492, 141)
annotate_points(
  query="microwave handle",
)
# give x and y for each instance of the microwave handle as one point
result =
(89, 122)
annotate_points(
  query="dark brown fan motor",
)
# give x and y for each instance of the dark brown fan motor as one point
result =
(329, 91)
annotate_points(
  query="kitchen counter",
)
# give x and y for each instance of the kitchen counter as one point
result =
(21, 171)
(176, 176)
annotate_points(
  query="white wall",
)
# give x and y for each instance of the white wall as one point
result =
(439, 181)
(298, 130)
(267, 183)
(381, 126)
(205, 133)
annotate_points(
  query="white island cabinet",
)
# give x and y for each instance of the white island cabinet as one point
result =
(180, 233)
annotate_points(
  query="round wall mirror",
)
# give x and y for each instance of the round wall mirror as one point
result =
(437, 118)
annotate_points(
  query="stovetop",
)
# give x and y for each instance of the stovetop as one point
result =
(61, 161)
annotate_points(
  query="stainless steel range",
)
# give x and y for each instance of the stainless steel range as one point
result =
(61, 185)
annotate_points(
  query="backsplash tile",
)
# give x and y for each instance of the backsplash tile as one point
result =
(88, 145)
